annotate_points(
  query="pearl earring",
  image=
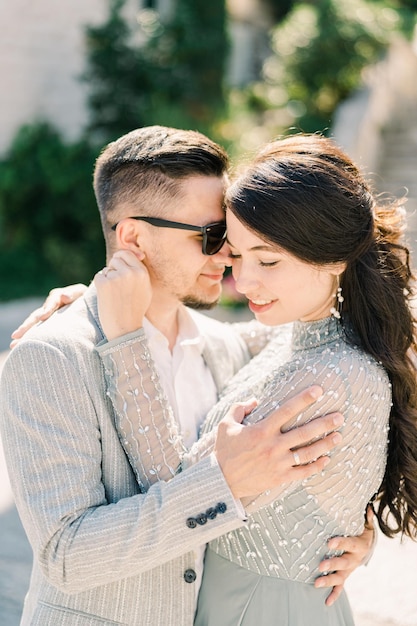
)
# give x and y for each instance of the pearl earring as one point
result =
(338, 295)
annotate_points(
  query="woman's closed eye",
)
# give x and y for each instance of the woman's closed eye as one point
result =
(235, 256)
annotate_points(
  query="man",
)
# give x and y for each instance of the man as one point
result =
(106, 550)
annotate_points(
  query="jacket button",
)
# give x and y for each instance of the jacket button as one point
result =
(191, 522)
(221, 507)
(201, 519)
(189, 575)
(211, 513)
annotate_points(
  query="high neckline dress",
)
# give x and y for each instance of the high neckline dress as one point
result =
(263, 573)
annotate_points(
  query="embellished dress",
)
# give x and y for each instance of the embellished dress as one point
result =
(262, 574)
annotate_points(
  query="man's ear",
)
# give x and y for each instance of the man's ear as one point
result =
(128, 235)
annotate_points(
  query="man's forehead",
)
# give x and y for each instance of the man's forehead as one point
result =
(201, 198)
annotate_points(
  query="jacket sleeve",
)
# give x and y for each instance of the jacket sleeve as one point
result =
(56, 441)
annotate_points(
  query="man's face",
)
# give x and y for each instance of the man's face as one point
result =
(177, 267)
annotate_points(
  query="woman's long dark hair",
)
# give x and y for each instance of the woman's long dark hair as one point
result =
(305, 195)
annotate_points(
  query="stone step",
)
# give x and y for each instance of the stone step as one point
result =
(399, 161)
(393, 157)
(402, 143)
(396, 167)
(398, 173)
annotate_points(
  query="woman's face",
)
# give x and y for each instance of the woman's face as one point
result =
(280, 287)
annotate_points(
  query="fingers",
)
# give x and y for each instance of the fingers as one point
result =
(356, 549)
(291, 408)
(51, 304)
(304, 435)
(370, 518)
(35, 317)
(355, 552)
(240, 410)
(122, 260)
(128, 257)
(56, 299)
(337, 565)
(301, 472)
(334, 595)
(335, 581)
(124, 293)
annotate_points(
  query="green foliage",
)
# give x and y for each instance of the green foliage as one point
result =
(119, 78)
(174, 77)
(50, 232)
(321, 49)
(279, 9)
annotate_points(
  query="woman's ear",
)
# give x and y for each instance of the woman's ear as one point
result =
(337, 268)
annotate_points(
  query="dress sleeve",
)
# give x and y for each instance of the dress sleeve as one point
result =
(361, 392)
(145, 421)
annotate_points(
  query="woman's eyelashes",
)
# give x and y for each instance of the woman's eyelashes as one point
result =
(261, 263)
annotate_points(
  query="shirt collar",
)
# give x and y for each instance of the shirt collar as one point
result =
(188, 332)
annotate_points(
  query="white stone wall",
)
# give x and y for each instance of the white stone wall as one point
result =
(42, 56)
(390, 86)
(41, 59)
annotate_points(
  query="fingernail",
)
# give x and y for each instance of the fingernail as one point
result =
(338, 420)
(316, 392)
(319, 582)
(333, 544)
(337, 438)
(326, 461)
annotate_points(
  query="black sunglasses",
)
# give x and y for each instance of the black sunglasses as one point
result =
(214, 235)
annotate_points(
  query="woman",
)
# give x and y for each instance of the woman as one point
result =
(310, 245)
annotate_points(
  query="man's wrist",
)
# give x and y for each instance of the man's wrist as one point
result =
(239, 506)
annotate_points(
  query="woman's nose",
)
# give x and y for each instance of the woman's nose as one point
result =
(245, 281)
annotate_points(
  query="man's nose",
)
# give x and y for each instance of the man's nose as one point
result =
(223, 255)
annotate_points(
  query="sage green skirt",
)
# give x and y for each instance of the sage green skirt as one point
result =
(233, 596)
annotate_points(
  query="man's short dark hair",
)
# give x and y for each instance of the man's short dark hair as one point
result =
(148, 165)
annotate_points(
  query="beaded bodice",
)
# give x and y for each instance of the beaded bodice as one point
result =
(287, 538)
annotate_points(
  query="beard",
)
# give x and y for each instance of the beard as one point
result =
(198, 304)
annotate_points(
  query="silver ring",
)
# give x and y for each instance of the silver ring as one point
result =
(297, 460)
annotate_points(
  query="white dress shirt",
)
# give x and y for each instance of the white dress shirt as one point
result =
(187, 383)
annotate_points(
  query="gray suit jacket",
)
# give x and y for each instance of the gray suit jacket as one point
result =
(104, 553)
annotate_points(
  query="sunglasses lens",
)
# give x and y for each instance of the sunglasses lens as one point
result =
(215, 236)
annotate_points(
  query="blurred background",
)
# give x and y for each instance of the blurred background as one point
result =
(77, 74)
